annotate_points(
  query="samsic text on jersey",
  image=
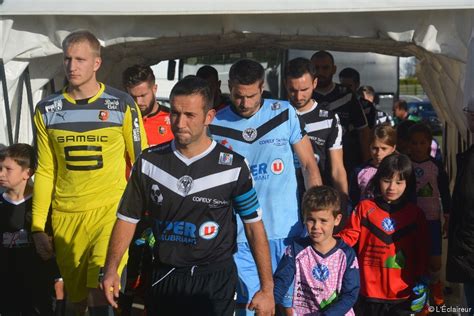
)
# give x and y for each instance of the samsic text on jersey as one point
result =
(191, 202)
(81, 151)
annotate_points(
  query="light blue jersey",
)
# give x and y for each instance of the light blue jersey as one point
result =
(266, 140)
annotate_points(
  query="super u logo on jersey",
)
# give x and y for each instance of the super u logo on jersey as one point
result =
(388, 224)
(209, 230)
(277, 166)
(320, 272)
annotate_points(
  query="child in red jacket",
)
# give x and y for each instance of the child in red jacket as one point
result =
(393, 244)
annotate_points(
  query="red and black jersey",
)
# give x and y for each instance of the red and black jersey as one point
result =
(158, 127)
(393, 248)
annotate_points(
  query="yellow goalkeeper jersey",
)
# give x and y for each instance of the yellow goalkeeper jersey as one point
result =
(82, 150)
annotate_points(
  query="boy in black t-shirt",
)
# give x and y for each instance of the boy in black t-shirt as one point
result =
(26, 280)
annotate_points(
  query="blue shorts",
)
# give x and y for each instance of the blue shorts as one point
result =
(249, 282)
(434, 228)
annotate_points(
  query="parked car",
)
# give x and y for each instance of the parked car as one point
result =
(425, 110)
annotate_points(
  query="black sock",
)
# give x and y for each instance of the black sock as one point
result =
(125, 304)
(60, 309)
(104, 310)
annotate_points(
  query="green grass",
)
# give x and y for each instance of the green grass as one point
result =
(411, 89)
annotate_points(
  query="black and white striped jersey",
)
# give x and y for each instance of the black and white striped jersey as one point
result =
(342, 101)
(325, 132)
(191, 201)
(352, 117)
(382, 118)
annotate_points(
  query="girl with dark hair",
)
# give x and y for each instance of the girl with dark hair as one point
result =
(392, 241)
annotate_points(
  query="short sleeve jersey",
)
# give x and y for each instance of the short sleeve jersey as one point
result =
(345, 103)
(191, 202)
(317, 282)
(81, 151)
(15, 222)
(266, 140)
(432, 188)
(325, 133)
(342, 101)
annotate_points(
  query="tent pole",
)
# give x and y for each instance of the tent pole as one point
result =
(6, 102)
(29, 95)
(52, 86)
(20, 105)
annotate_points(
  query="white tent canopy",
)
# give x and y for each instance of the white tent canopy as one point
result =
(147, 31)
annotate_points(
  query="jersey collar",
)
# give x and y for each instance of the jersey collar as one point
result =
(91, 100)
(6, 198)
(189, 161)
(389, 207)
(315, 104)
(329, 91)
(330, 252)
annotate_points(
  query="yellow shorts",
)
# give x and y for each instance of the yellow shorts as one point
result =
(81, 240)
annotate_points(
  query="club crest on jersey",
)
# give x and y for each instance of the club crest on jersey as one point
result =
(103, 115)
(111, 104)
(226, 159)
(162, 130)
(277, 166)
(56, 106)
(209, 230)
(249, 134)
(323, 113)
(320, 272)
(276, 106)
(156, 195)
(185, 183)
(388, 224)
(419, 172)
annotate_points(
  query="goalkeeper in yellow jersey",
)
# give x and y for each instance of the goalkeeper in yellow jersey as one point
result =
(84, 135)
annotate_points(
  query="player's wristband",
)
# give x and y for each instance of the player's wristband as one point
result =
(101, 274)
